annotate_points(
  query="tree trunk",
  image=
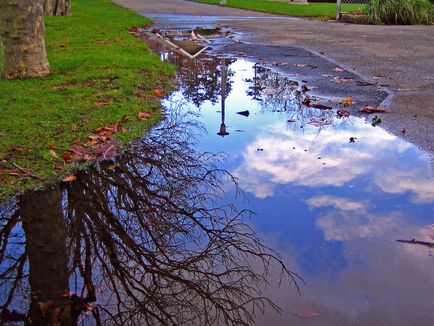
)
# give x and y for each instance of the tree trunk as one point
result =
(57, 7)
(22, 33)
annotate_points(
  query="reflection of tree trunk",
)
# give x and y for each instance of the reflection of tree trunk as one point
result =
(22, 33)
(57, 7)
(45, 231)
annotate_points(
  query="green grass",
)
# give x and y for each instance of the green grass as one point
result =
(285, 8)
(93, 59)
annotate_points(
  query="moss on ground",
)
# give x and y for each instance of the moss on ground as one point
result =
(100, 73)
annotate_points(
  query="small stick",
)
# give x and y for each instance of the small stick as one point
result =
(413, 241)
(27, 172)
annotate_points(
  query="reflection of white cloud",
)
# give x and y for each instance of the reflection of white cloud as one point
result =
(342, 226)
(336, 202)
(350, 219)
(403, 181)
(330, 160)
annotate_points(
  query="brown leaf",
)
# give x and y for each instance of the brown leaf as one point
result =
(371, 109)
(53, 153)
(339, 80)
(66, 156)
(43, 306)
(337, 69)
(303, 312)
(144, 115)
(320, 106)
(158, 93)
(73, 127)
(347, 101)
(304, 65)
(100, 104)
(18, 149)
(343, 113)
(70, 178)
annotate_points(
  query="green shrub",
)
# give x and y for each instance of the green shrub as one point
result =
(403, 12)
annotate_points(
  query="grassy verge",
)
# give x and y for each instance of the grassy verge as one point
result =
(285, 8)
(100, 73)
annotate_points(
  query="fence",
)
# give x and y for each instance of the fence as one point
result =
(348, 6)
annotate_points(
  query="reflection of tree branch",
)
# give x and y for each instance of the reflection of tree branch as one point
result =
(153, 242)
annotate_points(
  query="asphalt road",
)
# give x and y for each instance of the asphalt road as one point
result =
(398, 56)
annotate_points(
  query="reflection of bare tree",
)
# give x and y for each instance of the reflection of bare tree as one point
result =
(280, 94)
(200, 78)
(144, 237)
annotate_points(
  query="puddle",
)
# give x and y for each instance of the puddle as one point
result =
(331, 194)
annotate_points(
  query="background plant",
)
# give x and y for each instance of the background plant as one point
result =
(404, 12)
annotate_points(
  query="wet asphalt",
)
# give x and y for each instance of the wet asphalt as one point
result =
(396, 60)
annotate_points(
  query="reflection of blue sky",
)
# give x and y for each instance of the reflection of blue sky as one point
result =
(332, 207)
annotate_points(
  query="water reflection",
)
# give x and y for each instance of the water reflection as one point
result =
(334, 194)
(141, 240)
(200, 78)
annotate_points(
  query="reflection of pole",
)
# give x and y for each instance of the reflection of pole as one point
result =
(223, 131)
(255, 81)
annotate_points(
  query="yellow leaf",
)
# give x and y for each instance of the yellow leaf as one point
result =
(347, 101)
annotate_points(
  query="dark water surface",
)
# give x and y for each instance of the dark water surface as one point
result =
(157, 236)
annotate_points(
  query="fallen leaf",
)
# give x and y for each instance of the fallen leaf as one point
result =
(303, 312)
(307, 100)
(53, 153)
(305, 65)
(343, 113)
(279, 63)
(337, 69)
(320, 106)
(347, 101)
(339, 80)
(66, 156)
(158, 93)
(100, 104)
(371, 109)
(73, 127)
(70, 178)
(43, 306)
(144, 115)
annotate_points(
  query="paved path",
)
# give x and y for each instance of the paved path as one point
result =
(400, 56)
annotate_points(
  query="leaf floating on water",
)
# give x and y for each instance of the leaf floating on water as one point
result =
(371, 109)
(343, 113)
(70, 178)
(303, 312)
(320, 106)
(347, 101)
